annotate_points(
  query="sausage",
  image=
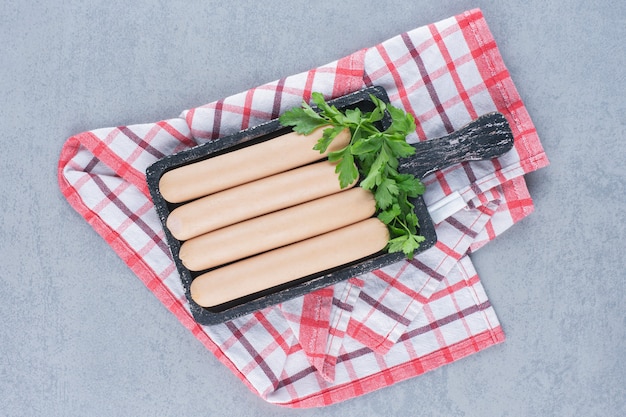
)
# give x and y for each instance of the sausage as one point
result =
(277, 229)
(244, 165)
(291, 262)
(253, 199)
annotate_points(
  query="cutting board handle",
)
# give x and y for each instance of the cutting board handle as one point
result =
(487, 137)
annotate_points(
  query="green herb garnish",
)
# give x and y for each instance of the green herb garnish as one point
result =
(376, 154)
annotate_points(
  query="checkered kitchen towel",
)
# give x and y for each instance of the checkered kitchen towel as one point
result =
(370, 331)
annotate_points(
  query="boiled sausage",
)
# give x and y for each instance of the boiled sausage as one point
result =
(290, 262)
(277, 229)
(253, 199)
(244, 165)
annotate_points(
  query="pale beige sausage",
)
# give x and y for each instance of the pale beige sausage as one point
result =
(253, 199)
(244, 165)
(290, 262)
(277, 229)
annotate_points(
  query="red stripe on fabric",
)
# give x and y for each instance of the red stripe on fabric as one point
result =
(498, 170)
(356, 386)
(344, 309)
(436, 329)
(502, 90)
(123, 167)
(402, 95)
(286, 90)
(441, 179)
(383, 71)
(189, 119)
(450, 289)
(518, 200)
(387, 374)
(313, 305)
(308, 85)
(349, 74)
(530, 149)
(69, 150)
(414, 293)
(194, 117)
(359, 282)
(448, 251)
(488, 210)
(241, 109)
(458, 308)
(291, 390)
(354, 70)
(491, 233)
(245, 121)
(516, 206)
(450, 65)
(404, 371)
(181, 137)
(355, 329)
(280, 338)
(327, 396)
(473, 278)
(368, 337)
(314, 325)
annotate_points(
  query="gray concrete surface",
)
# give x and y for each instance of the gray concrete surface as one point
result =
(81, 336)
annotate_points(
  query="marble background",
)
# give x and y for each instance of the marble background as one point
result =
(81, 336)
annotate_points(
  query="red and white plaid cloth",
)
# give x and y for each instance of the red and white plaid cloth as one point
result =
(373, 330)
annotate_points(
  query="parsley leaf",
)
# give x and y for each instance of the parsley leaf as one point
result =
(387, 216)
(303, 120)
(410, 185)
(347, 170)
(327, 137)
(365, 146)
(329, 112)
(385, 193)
(376, 154)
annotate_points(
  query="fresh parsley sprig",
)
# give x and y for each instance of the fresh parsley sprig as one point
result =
(376, 154)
